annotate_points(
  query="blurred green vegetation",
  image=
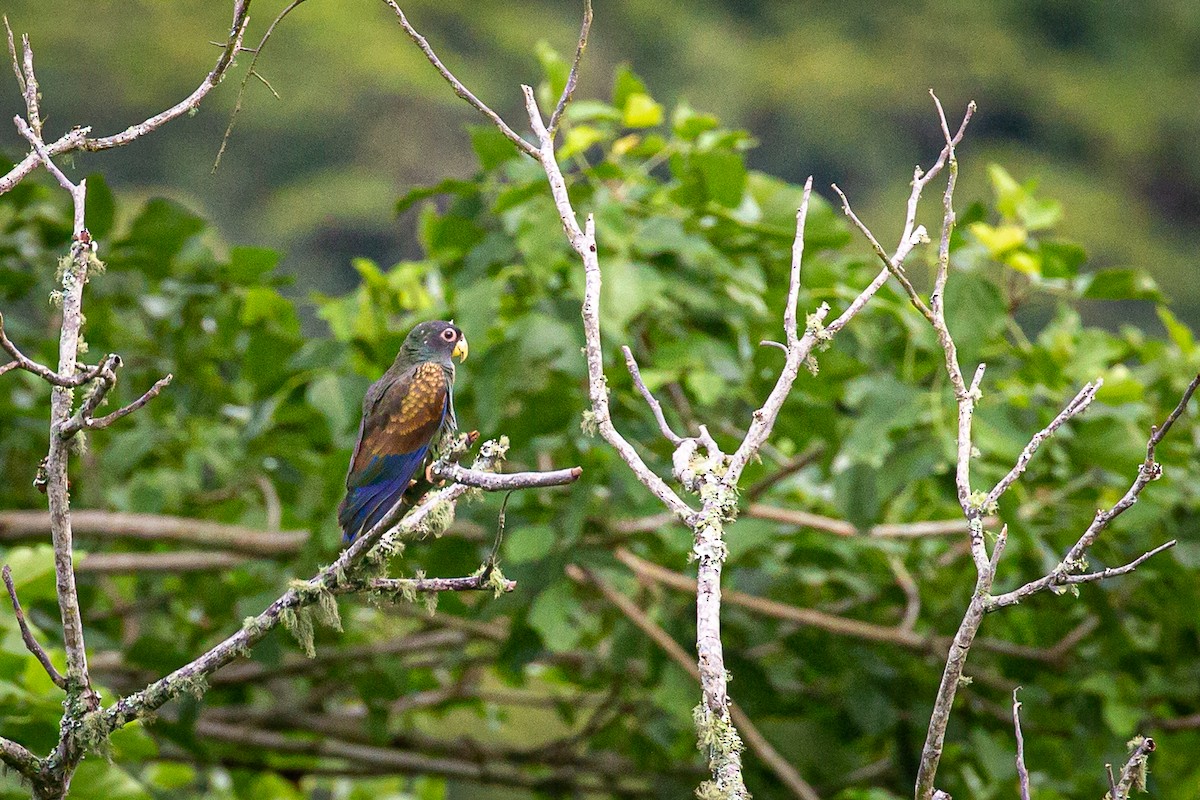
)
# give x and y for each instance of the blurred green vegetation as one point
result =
(1095, 98)
(695, 248)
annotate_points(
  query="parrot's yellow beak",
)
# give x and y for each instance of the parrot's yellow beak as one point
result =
(460, 350)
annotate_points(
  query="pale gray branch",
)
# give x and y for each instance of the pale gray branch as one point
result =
(1022, 772)
(498, 482)
(24, 525)
(31, 643)
(459, 89)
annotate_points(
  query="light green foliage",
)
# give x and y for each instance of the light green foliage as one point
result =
(695, 249)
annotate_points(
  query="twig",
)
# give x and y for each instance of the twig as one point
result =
(798, 351)
(21, 525)
(655, 406)
(1077, 406)
(838, 527)
(1022, 772)
(100, 423)
(179, 561)
(237, 105)
(377, 543)
(43, 372)
(77, 139)
(1134, 767)
(1065, 579)
(786, 470)
(583, 241)
(455, 84)
(22, 760)
(497, 482)
(756, 741)
(573, 75)
(408, 586)
(27, 635)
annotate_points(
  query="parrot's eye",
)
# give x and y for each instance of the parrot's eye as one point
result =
(449, 335)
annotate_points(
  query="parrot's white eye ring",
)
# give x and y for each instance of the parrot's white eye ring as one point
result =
(449, 335)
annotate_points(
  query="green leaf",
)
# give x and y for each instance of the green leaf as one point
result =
(1060, 259)
(99, 207)
(724, 174)
(578, 139)
(249, 264)
(553, 617)
(530, 543)
(999, 239)
(555, 69)
(169, 776)
(641, 111)
(98, 780)
(688, 124)
(1121, 284)
(626, 84)
(491, 147)
(449, 185)
(1008, 192)
(1180, 333)
(975, 313)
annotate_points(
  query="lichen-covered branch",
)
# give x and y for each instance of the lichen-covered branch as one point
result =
(976, 505)
(371, 549)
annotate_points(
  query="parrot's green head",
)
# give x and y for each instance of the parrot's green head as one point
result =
(437, 341)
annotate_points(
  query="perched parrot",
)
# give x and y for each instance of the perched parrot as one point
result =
(404, 413)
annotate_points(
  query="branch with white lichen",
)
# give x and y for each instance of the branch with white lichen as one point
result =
(976, 506)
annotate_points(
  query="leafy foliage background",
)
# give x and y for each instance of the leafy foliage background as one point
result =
(695, 248)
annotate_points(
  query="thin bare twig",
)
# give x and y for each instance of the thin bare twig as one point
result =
(77, 139)
(1077, 406)
(573, 75)
(20, 361)
(655, 406)
(1022, 772)
(22, 525)
(237, 105)
(27, 635)
(460, 90)
(1135, 768)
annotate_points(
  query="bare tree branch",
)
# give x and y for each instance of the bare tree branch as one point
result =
(77, 139)
(27, 635)
(460, 90)
(45, 373)
(496, 482)
(655, 406)
(17, 757)
(23, 525)
(973, 506)
(757, 742)
(1077, 406)
(470, 583)
(1022, 772)
(839, 527)
(573, 75)
(178, 562)
(1134, 770)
